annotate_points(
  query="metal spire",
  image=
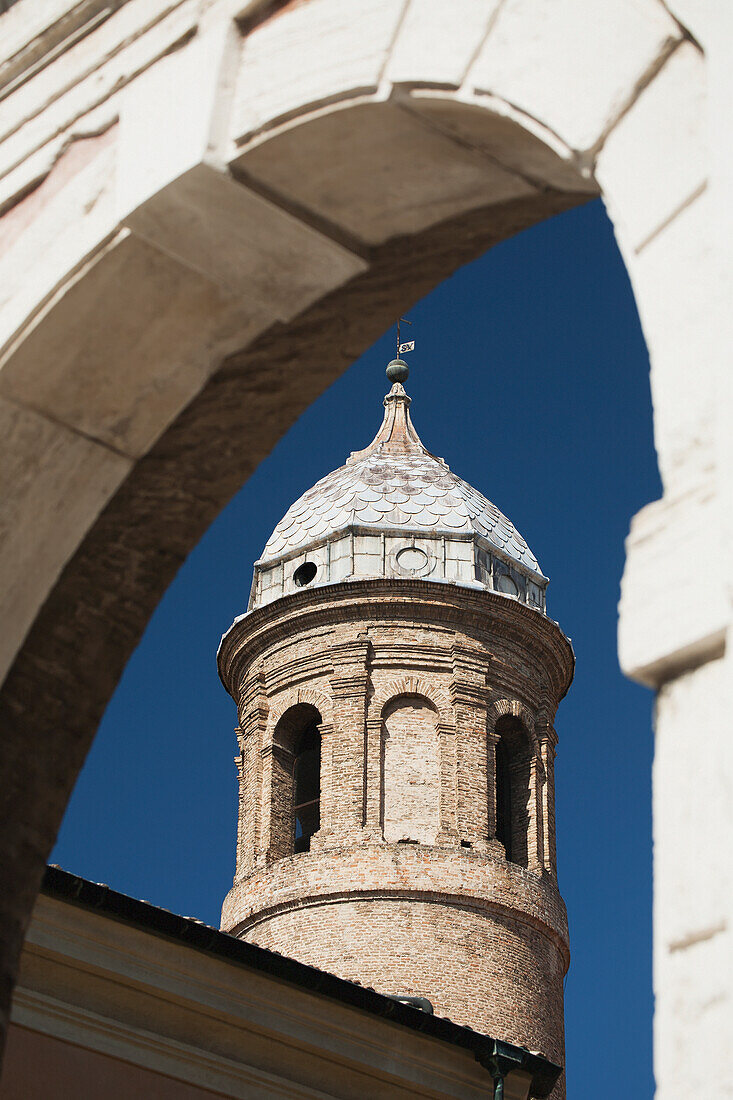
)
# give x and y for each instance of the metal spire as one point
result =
(398, 370)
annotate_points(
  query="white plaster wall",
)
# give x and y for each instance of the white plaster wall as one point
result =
(693, 899)
(675, 597)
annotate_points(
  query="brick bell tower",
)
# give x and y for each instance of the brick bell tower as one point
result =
(397, 678)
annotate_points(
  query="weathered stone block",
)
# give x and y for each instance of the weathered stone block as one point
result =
(346, 45)
(53, 483)
(139, 363)
(579, 64)
(655, 159)
(437, 42)
(371, 195)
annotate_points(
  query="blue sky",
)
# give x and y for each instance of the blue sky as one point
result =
(531, 378)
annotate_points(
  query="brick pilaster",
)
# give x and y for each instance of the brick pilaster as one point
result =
(469, 695)
(548, 743)
(349, 684)
(373, 809)
(535, 831)
(491, 743)
(447, 742)
(277, 802)
(327, 792)
(254, 710)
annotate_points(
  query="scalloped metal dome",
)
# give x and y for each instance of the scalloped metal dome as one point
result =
(395, 483)
(391, 497)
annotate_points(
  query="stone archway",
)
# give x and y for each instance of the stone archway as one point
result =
(190, 212)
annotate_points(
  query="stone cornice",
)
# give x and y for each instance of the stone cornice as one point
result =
(353, 651)
(283, 755)
(471, 694)
(291, 673)
(489, 617)
(350, 684)
(470, 666)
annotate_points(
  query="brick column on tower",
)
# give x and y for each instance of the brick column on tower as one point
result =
(373, 808)
(242, 774)
(548, 743)
(448, 834)
(491, 743)
(254, 710)
(327, 787)
(347, 759)
(534, 826)
(469, 695)
(277, 783)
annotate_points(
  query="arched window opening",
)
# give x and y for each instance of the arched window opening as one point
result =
(513, 767)
(307, 788)
(295, 792)
(410, 771)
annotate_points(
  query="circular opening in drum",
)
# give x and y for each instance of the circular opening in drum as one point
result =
(305, 573)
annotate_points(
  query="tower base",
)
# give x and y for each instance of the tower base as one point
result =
(483, 939)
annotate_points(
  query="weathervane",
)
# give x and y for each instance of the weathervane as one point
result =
(410, 345)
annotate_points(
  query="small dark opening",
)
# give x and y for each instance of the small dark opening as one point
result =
(503, 798)
(466, 844)
(307, 788)
(305, 573)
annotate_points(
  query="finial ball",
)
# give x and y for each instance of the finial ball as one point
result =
(397, 370)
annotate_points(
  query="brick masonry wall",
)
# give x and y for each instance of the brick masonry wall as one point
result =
(484, 969)
(376, 868)
(410, 680)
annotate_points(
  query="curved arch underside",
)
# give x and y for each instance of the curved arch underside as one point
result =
(200, 251)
